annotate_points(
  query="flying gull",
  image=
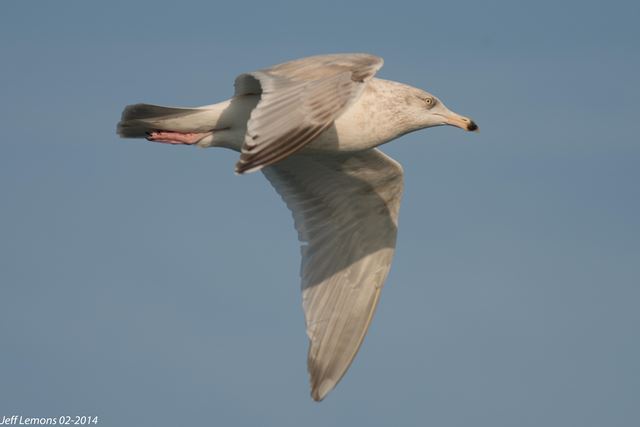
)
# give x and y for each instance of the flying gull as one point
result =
(312, 127)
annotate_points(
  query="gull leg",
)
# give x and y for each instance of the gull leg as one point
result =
(177, 138)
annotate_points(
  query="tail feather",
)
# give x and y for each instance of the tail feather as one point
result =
(139, 119)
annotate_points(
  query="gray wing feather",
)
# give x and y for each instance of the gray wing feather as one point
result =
(299, 100)
(345, 209)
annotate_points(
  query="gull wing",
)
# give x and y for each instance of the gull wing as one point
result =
(345, 209)
(299, 100)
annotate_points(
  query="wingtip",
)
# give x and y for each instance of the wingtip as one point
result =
(242, 168)
(320, 391)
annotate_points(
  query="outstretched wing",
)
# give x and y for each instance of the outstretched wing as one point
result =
(345, 209)
(299, 100)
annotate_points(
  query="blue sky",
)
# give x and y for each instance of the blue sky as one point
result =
(149, 285)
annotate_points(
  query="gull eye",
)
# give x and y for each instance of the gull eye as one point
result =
(430, 102)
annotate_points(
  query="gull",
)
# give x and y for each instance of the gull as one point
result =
(312, 126)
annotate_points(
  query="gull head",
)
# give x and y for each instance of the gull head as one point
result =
(426, 110)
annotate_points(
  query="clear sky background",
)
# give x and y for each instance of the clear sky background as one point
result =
(150, 286)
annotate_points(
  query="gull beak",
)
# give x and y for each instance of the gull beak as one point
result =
(453, 119)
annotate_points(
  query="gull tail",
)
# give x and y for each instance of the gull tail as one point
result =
(139, 119)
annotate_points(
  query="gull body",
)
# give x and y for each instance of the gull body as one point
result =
(384, 111)
(312, 125)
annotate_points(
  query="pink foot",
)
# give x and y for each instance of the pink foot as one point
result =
(168, 137)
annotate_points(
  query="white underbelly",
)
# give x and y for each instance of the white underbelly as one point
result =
(352, 131)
